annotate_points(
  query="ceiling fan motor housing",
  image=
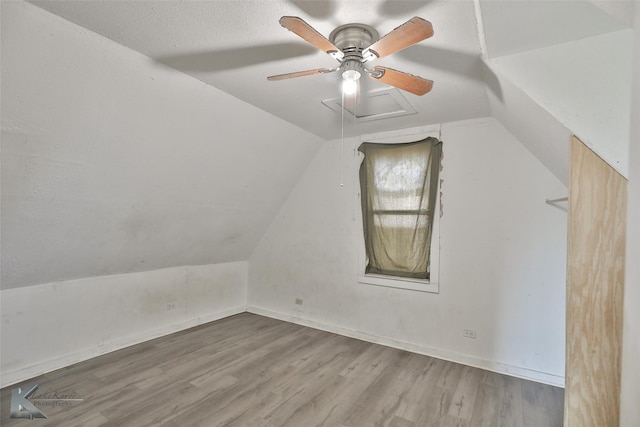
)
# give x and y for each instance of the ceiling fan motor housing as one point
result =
(352, 39)
(359, 36)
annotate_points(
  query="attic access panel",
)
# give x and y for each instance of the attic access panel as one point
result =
(375, 105)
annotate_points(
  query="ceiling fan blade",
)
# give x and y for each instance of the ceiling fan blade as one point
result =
(301, 74)
(414, 30)
(311, 35)
(405, 81)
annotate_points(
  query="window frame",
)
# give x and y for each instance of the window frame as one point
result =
(430, 285)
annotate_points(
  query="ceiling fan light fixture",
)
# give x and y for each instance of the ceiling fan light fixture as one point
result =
(351, 69)
(351, 75)
(349, 87)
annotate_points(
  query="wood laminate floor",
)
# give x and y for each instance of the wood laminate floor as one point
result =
(249, 370)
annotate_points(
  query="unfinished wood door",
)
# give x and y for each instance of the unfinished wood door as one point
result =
(595, 279)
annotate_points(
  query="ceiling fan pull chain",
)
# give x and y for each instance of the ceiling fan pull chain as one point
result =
(342, 142)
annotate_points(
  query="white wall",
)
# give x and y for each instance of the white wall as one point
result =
(502, 260)
(49, 326)
(118, 175)
(630, 410)
(113, 163)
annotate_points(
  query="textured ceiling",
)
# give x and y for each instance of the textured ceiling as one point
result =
(235, 45)
(516, 26)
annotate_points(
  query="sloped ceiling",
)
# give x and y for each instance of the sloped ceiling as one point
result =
(573, 60)
(114, 162)
(516, 26)
(234, 45)
(111, 164)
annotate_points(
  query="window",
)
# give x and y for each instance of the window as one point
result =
(398, 186)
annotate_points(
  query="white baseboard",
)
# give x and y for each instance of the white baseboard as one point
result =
(22, 374)
(502, 368)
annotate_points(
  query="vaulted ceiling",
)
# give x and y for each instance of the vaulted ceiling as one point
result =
(235, 45)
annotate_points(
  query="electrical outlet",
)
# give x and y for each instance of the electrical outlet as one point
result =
(468, 333)
(299, 301)
(171, 306)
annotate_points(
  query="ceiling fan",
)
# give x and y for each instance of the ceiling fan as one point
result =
(354, 45)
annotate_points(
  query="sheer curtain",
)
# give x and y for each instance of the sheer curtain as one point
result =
(398, 184)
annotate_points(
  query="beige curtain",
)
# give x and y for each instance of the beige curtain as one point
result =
(398, 184)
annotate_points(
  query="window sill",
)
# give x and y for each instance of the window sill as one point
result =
(399, 283)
